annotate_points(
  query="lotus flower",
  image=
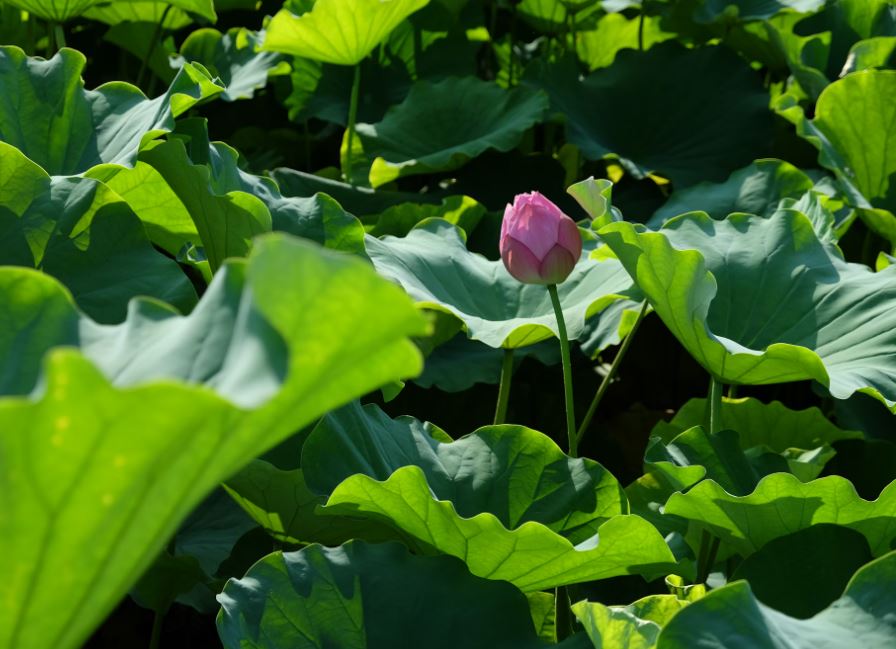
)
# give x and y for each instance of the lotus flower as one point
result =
(539, 243)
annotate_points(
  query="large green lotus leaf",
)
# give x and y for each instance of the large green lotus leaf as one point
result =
(95, 476)
(755, 189)
(845, 22)
(785, 574)
(82, 233)
(636, 626)
(362, 596)
(192, 191)
(514, 473)
(139, 11)
(398, 220)
(554, 16)
(337, 31)
(804, 437)
(234, 58)
(226, 221)
(878, 52)
(531, 556)
(733, 618)
(60, 11)
(781, 504)
(313, 216)
(224, 343)
(854, 117)
(443, 124)
(721, 288)
(609, 627)
(659, 109)
(280, 501)
(67, 130)
(598, 47)
(434, 266)
(719, 456)
(678, 464)
(165, 218)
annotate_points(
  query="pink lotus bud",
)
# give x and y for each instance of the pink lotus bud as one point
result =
(539, 243)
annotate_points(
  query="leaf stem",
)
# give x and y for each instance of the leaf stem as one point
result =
(59, 36)
(567, 372)
(352, 116)
(155, 640)
(512, 45)
(706, 557)
(608, 379)
(562, 613)
(504, 387)
(641, 29)
(715, 405)
(156, 37)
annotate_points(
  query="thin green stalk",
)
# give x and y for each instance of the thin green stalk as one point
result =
(608, 379)
(715, 405)
(567, 372)
(709, 544)
(706, 556)
(504, 387)
(352, 116)
(154, 41)
(641, 30)
(562, 613)
(732, 391)
(59, 36)
(155, 640)
(512, 44)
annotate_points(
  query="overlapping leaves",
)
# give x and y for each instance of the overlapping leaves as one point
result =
(85, 235)
(763, 300)
(67, 130)
(434, 266)
(121, 441)
(504, 499)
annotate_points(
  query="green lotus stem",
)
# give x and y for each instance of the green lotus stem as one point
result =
(641, 29)
(608, 379)
(567, 372)
(562, 613)
(715, 405)
(58, 36)
(504, 387)
(706, 557)
(155, 640)
(352, 116)
(156, 37)
(512, 41)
